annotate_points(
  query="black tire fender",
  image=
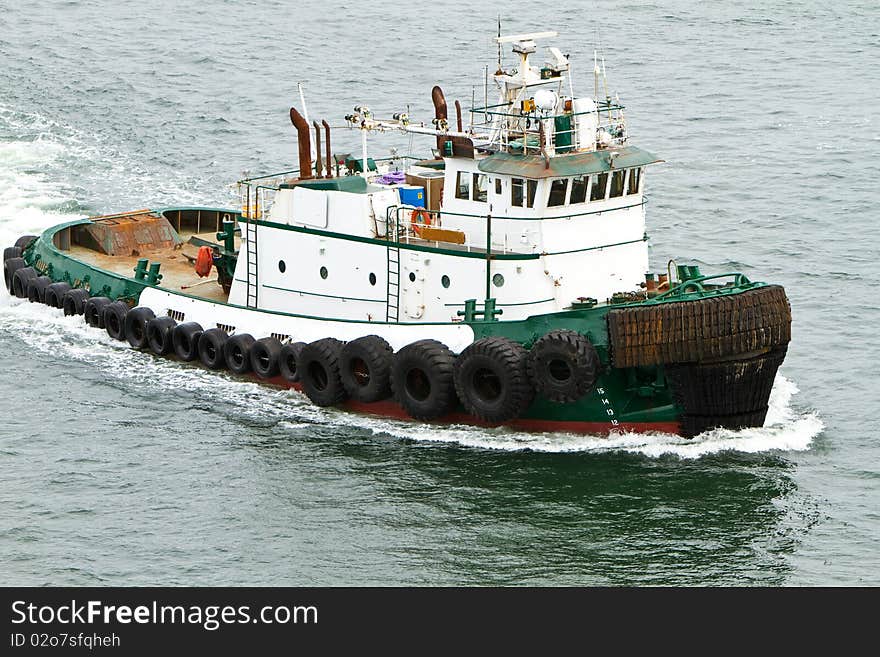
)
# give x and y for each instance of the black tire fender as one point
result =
(74, 301)
(185, 340)
(20, 280)
(211, 348)
(318, 367)
(365, 368)
(94, 311)
(36, 290)
(54, 296)
(422, 379)
(114, 319)
(159, 335)
(9, 268)
(563, 366)
(287, 361)
(136, 326)
(24, 242)
(11, 252)
(238, 353)
(265, 354)
(492, 379)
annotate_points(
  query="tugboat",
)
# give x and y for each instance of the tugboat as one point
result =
(499, 281)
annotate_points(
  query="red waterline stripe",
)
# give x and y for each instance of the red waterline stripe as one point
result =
(388, 408)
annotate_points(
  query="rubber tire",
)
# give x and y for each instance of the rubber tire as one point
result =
(114, 319)
(435, 362)
(93, 313)
(54, 296)
(136, 326)
(11, 252)
(74, 302)
(365, 368)
(159, 335)
(558, 349)
(318, 365)
(20, 281)
(211, 347)
(185, 341)
(37, 288)
(265, 354)
(492, 379)
(24, 241)
(9, 268)
(287, 361)
(237, 353)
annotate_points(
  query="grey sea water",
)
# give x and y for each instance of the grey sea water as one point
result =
(118, 468)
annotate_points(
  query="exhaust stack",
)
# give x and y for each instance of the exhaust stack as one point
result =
(319, 167)
(440, 114)
(327, 146)
(305, 144)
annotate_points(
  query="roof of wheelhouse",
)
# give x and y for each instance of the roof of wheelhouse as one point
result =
(535, 166)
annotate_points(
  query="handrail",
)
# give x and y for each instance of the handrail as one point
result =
(695, 285)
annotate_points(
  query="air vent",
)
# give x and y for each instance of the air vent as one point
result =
(226, 327)
(281, 337)
(176, 315)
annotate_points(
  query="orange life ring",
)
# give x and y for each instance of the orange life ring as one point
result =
(204, 261)
(419, 219)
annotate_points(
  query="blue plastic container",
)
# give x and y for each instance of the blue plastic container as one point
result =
(412, 195)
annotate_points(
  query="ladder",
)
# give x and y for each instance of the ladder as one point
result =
(251, 246)
(392, 235)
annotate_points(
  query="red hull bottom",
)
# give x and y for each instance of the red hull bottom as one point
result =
(388, 408)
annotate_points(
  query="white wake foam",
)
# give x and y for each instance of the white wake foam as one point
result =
(48, 331)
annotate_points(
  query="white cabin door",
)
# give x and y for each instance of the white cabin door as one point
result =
(412, 280)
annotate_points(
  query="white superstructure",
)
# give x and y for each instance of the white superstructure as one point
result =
(542, 204)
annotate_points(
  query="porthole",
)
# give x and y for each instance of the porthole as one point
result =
(412, 277)
(444, 281)
(323, 272)
(281, 266)
(372, 279)
(498, 280)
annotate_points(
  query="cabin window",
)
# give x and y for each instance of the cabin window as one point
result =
(558, 189)
(533, 190)
(372, 279)
(444, 281)
(463, 188)
(600, 183)
(516, 192)
(617, 184)
(498, 280)
(579, 189)
(498, 187)
(635, 177)
(481, 187)
(281, 266)
(323, 272)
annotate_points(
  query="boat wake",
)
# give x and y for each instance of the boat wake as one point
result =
(48, 331)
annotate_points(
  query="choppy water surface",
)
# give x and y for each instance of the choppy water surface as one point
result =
(119, 468)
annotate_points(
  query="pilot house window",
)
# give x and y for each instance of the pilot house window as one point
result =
(516, 192)
(600, 183)
(635, 176)
(617, 183)
(463, 189)
(481, 187)
(558, 189)
(579, 189)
